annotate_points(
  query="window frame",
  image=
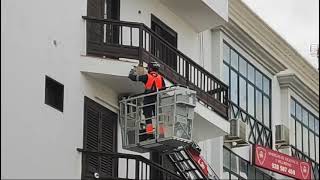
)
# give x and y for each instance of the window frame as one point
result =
(248, 82)
(303, 125)
(248, 166)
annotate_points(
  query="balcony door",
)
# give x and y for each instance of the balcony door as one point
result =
(160, 50)
(99, 33)
(100, 134)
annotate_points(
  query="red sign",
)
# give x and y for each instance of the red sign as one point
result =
(199, 160)
(281, 163)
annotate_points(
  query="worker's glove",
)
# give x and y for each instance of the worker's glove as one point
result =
(132, 72)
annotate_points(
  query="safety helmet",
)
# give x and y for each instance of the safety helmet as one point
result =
(153, 66)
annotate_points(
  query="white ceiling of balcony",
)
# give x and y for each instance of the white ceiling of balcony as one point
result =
(200, 14)
(112, 72)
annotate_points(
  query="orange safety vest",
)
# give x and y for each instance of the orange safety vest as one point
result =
(154, 78)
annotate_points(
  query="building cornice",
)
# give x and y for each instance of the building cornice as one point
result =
(290, 80)
(266, 46)
(252, 47)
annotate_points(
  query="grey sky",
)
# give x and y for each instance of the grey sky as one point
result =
(297, 21)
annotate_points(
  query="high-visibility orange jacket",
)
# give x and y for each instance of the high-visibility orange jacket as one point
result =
(154, 82)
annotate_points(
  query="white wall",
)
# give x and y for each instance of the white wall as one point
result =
(41, 142)
(212, 152)
(3, 121)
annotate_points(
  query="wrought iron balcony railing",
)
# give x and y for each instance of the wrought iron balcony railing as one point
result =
(104, 165)
(119, 39)
(258, 132)
(300, 155)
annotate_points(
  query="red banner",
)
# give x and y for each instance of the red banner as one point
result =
(200, 161)
(281, 163)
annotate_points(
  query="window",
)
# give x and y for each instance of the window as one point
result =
(54, 94)
(234, 167)
(306, 128)
(249, 88)
(99, 134)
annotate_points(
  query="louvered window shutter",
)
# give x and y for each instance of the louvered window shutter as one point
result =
(95, 8)
(107, 144)
(100, 134)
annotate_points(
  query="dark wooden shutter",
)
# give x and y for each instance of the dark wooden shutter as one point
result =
(108, 124)
(100, 134)
(92, 137)
(95, 8)
(98, 33)
(157, 49)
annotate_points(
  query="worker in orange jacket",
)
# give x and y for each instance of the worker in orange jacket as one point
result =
(153, 82)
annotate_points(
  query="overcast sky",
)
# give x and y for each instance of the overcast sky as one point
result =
(297, 21)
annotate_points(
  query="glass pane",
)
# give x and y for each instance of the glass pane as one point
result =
(226, 53)
(234, 163)
(266, 111)
(251, 173)
(226, 74)
(259, 106)
(316, 126)
(316, 175)
(293, 130)
(242, 93)
(312, 147)
(311, 122)
(305, 117)
(266, 85)
(258, 79)
(266, 177)
(250, 73)
(305, 140)
(243, 169)
(251, 100)
(234, 87)
(225, 174)
(298, 112)
(298, 135)
(234, 59)
(226, 158)
(317, 149)
(293, 107)
(259, 175)
(233, 177)
(242, 66)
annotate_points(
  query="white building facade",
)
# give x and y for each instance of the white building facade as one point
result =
(65, 66)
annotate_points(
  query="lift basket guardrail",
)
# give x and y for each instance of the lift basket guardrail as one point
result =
(172, 120)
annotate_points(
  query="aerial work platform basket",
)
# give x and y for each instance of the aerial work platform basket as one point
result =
(172, 120)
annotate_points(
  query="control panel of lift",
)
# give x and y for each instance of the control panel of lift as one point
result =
(171, 118)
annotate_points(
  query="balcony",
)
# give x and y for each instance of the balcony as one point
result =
(130, 40)
(105, 165)
(258, 133)
(300, 155)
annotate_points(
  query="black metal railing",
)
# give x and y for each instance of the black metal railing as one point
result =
(300, 155)
(119, 39)
(132, 167)
(258, 132)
